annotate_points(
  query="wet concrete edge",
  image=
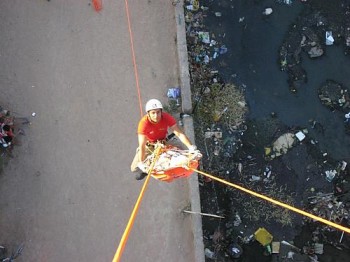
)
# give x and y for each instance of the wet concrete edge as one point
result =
(188, 128)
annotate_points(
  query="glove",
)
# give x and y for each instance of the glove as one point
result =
(192, 149)
(142, 167)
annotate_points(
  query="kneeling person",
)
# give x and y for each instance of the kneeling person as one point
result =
(153, 127)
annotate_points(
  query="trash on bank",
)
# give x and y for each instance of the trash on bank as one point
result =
(290, 255)
(283, 143)
(193, 6)
(204, 37)
(206, 59)
(210, 134)
(290, 245)
(315, 51)
(255, 178)
(267, 172)
(209, 254)
(218, 115)
(275, 247)
(235, 251)
(237, 221)
(318, 248)
(334, 96)
(174, 92)
(263, 236)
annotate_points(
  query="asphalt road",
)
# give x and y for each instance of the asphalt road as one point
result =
(68, 192)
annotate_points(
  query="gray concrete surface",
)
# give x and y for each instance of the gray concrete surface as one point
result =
(183, 59)
(68, 192)
(186, 98)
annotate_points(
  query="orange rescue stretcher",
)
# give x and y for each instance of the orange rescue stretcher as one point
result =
(172, 163)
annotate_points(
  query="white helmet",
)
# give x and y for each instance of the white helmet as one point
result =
(153, 104)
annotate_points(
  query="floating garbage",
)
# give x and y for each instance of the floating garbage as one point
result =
(288, 2)
(343, 165)
(347, 117)
(330, 174)
(267, 11)
(218, 14)
(300, 135)
(329, 38)
(223, 50)
(347, 41)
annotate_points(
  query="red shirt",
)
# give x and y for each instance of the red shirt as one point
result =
(156, 131)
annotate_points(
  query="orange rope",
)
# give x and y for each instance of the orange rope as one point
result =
(128, 228)
(97, 5)
(299, 211)
(133, 57)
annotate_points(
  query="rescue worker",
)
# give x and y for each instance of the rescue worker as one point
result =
(154, 127)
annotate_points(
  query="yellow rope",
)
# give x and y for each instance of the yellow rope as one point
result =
(276, 202)
(129, 226)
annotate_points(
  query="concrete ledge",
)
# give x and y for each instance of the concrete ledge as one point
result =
(183, 59)
(188, 128)
(195, 200)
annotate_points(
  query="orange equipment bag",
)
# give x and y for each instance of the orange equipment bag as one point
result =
(173, 163)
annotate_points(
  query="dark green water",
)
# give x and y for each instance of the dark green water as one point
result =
(252, 60)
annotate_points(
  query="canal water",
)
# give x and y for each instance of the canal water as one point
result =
(252, 62)
(253, 41)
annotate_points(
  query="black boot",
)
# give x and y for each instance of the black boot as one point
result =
(140, 175)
